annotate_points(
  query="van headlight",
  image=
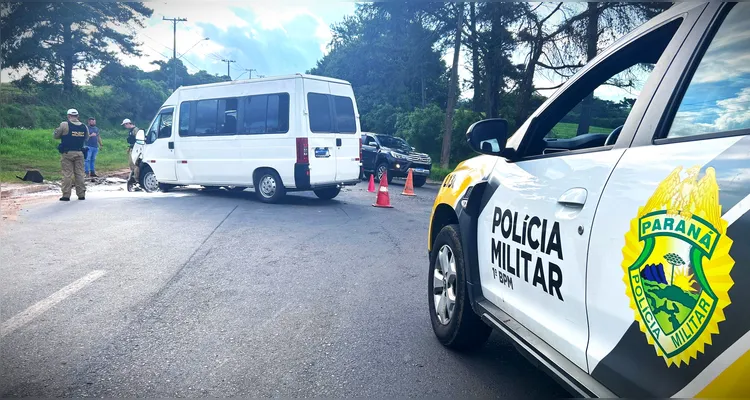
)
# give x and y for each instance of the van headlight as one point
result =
(398, 155)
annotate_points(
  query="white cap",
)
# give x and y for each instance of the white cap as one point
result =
(126, 121)
(72, 111)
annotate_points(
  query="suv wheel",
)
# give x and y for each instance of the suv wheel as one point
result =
(454, 322)
(382, 169)
(269, 188)
(419, 181)
(327, 193)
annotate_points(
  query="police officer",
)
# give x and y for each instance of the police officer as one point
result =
(132, 129)
(73, 136)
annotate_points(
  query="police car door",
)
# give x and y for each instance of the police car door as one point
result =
(534, 232)
(668, 278)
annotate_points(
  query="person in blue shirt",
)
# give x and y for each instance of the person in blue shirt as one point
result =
(94, 143)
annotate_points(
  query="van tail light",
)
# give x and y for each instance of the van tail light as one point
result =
(303, 155)
(360, 149)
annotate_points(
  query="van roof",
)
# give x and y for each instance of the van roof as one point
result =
(172, 100)
(272, 78)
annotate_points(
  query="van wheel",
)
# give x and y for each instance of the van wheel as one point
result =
(327, 193)
(269, 187)
(454, 322)
(382, 169)
(149, 183)
(419, 181)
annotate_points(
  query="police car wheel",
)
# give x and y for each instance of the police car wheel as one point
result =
(454, 322)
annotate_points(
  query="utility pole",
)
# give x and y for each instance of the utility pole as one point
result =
(251, 72)
(228, 61)
(174, 47)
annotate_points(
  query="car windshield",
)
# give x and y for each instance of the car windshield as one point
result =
(394, 142)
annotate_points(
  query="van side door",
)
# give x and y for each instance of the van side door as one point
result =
(320, 132)
(669, 261)
(159, 154)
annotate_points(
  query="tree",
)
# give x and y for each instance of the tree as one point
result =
(452, 88)
(58, 38)
(674, 260)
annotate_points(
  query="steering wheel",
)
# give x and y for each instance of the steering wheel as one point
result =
(612, 137)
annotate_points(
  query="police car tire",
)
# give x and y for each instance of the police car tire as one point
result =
(465, 330)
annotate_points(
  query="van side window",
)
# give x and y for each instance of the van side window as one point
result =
(277, 118)
(267, 113)
(227, 116)
(205, 117)
(718, 97)
(320, 112)
(345, 119)
(185, 119)
(165, 124)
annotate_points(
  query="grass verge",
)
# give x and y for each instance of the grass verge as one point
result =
(22, 149)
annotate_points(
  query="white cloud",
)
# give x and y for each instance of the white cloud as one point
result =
(728, 114)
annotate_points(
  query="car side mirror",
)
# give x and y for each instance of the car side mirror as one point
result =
(488, 136)
(140, 137)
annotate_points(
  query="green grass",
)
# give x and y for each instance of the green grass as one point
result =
(566, 130)
(22, 149)
(438, 174)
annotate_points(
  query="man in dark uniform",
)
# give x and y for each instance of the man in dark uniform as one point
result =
(73, 136)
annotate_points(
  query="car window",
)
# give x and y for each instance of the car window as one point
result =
(255, 114)
(153, 130)
(320, 112)
(277, 115)
(394, 142)
(718, 96)
(345, 118)
(598, 103)
(205, 117)
(184, 119)
(165, 124)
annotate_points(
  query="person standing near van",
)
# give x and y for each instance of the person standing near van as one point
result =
(94, 143)
(73, 136)
(132, 129)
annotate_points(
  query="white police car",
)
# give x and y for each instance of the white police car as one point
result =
(617, 258)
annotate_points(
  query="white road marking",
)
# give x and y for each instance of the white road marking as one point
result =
(739, 347)
(39, 308)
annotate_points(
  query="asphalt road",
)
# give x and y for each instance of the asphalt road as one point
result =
(196, 293)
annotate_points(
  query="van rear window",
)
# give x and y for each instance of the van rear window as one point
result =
(345, 120)
(320, 112)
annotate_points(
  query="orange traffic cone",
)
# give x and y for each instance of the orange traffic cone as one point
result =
(371, 186)
(409, 187)
(384, 200)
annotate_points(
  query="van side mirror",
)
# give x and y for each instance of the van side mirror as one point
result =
(488, 136)
(140, 136)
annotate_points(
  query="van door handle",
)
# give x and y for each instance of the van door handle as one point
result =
(575, 197)
(338, 142)
(171, 145)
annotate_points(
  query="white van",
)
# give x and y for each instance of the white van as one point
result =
(290, 133)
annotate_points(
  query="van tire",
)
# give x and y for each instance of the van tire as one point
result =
(419, 181)
(274, 189)
(327, 193)
(464, 329)
(148, 182)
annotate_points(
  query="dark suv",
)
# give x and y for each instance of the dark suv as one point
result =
(381, 153)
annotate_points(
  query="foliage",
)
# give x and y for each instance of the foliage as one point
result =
(423, 128)
(22, 149)
(56, 38)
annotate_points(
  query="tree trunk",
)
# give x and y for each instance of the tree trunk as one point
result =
(67, 56)
(592, 39)
(527, 82)
(452, 89)
(476, 78)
